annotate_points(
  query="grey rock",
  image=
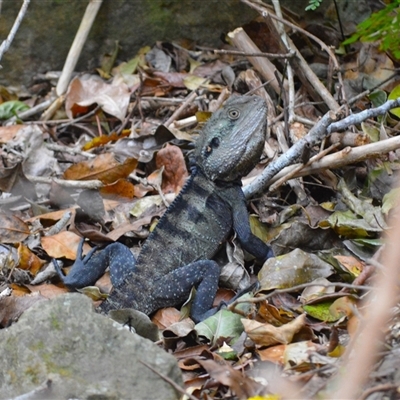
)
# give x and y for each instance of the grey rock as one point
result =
(62, 349)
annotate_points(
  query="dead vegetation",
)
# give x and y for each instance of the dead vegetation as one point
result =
(93, 157)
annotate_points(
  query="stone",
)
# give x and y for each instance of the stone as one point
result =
(62, 349)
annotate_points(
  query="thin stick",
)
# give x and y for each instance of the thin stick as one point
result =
(323, 128)
(92, 184)
(348, 155)
(169, 380)
(293, 173)
(7, 43)
(77, 45)
(179, 110)
(260, 7)
(290, 54)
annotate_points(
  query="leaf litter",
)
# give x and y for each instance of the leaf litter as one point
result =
(105, 158)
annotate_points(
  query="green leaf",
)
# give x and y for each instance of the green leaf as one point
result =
(370, 130)
(320, 311)
(395, 94)
(390, 200)
(378, 97)
(224, 324)
(348, 224)
(10, 109)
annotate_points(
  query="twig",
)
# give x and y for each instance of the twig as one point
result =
(60, 225)
(290, 76)
(260, 7)
(77, 45)
(260, 299)
(347, 156)
(293, 173)
(316, 134)
(289, 54)
(383, 387)
(69, 150)
(93, 184)
(179, 110)
(363, 115)
(7, 43)
(32, 111)
(82, 117)
(169, 380)
(325, 126)
(265, 67)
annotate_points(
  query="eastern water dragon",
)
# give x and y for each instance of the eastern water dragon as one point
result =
(178, 253)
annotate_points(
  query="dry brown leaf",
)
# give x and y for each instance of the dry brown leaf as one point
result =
(87, 90)
(175, 171)
(274, 354)
(47, 290)
(12, 229)
(9, 132)
(104, 168)
(28, 260)
(267, 334)
(11, 307)
(243, 386)
(63, 244)
(121, 188)
(165, 317)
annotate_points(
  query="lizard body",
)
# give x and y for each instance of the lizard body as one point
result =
(177, 254)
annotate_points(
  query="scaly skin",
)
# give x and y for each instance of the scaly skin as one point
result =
(177, 255)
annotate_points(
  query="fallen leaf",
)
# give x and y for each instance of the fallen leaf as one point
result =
(12, 229)
(264, 334)
(63, 244)
(104, 168)
(87, 90)
(175, 171)
(292, 269)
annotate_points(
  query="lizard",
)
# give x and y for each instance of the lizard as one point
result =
(177, 255)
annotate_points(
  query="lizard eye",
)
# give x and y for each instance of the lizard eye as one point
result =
(234, 113)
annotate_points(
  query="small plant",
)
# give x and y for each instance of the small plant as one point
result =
(384, 26)
(313, 5)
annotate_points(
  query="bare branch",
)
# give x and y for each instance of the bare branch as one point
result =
(77, 45)
(323, 128)
(7, 43)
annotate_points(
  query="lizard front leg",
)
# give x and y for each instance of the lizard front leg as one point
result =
(86, 271)
(248, 240)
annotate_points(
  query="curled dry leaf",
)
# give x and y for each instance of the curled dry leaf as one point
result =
(175, 171)
(87, 90)
(28, 260)
(350, 263)
(264, 334)
(137, 320)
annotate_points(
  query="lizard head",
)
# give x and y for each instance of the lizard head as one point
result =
(232, 140)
